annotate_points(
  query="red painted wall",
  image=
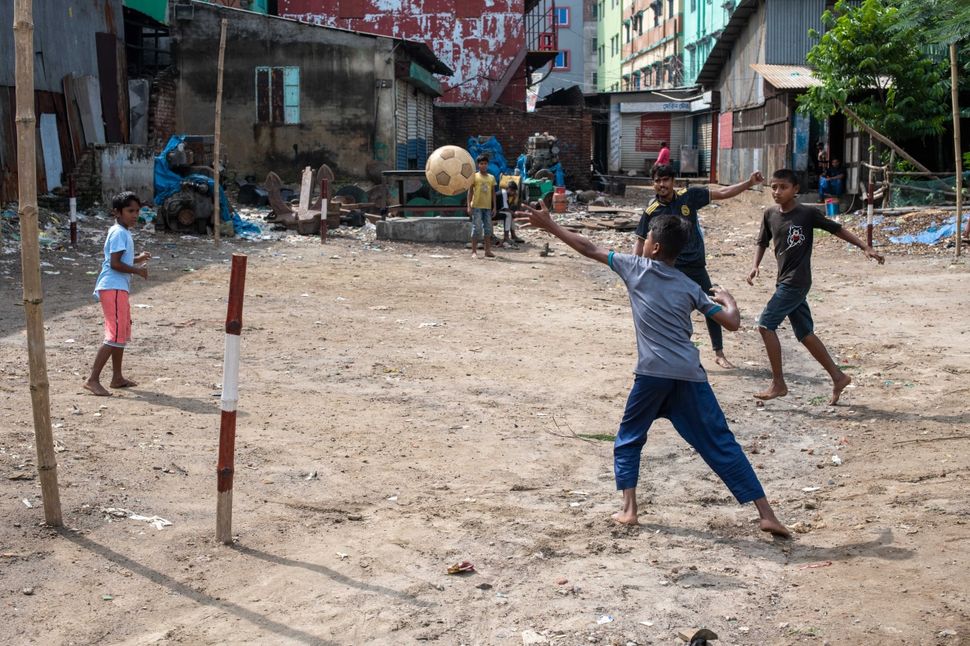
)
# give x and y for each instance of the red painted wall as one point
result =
(478, 47)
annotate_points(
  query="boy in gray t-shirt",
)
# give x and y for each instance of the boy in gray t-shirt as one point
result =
(670, 381)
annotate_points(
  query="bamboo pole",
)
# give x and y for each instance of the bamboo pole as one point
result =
(954, 95)
(23, 28)
(216, 192)
(230, 397)
(878, 136)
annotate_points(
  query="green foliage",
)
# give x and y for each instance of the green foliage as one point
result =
(867, 62)
(939, 23)
(966, 161)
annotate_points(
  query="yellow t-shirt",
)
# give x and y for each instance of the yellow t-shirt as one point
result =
(483, 188)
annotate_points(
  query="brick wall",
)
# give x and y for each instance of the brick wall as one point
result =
(512, 127)
(161, 108)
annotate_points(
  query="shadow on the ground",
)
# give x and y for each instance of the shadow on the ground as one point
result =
(177, 587)
(880, 547)
(333, 575)
(863, 411)
(200, 405)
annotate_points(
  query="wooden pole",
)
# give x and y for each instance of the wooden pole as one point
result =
(878, 136)
(954, 95)
(23, 27)
(230, 397)
(216, 192)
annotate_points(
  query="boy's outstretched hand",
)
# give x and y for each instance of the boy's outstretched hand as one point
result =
(871, 253)
(538, 217)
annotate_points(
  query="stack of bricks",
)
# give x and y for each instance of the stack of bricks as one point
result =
(570, 124)
(161, 108)
(87, 177)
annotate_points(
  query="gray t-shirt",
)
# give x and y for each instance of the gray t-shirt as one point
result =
(662, 299)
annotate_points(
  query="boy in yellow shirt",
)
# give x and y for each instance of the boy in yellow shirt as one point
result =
(481, 206)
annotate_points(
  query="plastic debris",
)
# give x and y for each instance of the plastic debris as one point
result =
(155, 521)
(605, 619)
(464, 567)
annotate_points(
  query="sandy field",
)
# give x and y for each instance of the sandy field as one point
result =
(404, 408)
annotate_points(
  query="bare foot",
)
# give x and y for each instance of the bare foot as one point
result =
(489, 254)
(123, 383)
(837, 387)
(771, 393)
(722, 361)
(772, 526)
(474, 254)
(95, 388)
(622, 518)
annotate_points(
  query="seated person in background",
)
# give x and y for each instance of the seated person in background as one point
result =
(508, 204)
(832, 180)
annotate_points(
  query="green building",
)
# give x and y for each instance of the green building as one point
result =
(609, 45)
(703, 23)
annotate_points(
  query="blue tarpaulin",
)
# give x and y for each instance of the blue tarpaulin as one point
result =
(497, 164)
(931, 235)
(168, 182)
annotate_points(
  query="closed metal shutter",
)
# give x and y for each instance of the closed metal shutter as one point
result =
(704, 142)
(633, 138)
(425, 131)
(400, 125)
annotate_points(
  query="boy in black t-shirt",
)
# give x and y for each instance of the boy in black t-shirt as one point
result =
(790, 225)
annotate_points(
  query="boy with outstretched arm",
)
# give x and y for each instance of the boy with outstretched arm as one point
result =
(114, 283)
(790, 226)
(669, 379)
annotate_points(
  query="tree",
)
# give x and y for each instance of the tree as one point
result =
(875, 69)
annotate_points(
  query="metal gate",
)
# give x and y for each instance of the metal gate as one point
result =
(642, 134)
(414, 125)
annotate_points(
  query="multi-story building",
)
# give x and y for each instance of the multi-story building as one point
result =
(609, 26)
(569, 67)
(652, 45)
(494, 47)
(704, 20)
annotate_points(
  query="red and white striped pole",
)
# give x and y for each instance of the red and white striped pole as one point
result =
(324, 203)
(230, 396)
(72, 197)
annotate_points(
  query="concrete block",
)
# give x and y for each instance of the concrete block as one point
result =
(430, 229)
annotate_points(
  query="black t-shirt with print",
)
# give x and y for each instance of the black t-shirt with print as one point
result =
(792, 235)
(685, 204)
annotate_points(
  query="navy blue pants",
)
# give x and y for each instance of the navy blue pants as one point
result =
(693, 410)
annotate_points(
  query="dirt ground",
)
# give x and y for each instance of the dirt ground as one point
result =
(404, 408)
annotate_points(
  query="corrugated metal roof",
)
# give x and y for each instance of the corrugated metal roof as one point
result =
(786, 77)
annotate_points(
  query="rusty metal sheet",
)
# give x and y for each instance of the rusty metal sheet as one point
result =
(262, 95)
(107, 48)
(277, 98)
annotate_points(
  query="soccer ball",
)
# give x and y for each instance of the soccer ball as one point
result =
(450, 170)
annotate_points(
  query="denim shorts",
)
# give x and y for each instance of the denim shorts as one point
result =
(481, 220)
(788, 301)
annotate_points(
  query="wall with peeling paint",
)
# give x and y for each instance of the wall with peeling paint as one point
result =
(477, 38)
(346, 91)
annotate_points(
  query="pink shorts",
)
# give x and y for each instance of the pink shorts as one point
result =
(117, 317)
